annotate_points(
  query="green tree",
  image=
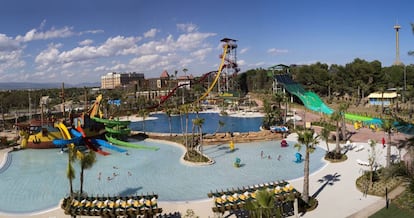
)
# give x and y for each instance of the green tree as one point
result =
(198, 122)
(387, 127)
(372, 158)
(86, 162)
(342, 111)
(168, 112)
(70, 171)
(220, 125)
(144, 114)
(185, 110)
(325, 133)
(306, 138)
(263, 205)
(336, 117)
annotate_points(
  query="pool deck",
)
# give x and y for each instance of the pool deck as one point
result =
(339, 198)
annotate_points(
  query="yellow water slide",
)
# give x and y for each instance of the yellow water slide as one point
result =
(223, 59)
(95, 108)
(65, 132)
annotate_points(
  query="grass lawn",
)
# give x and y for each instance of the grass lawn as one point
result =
(392, 211)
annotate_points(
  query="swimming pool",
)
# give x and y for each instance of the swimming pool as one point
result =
(36, 179)
(211, 123)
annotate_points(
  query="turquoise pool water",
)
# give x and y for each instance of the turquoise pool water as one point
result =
(36, 179)
(211, 123)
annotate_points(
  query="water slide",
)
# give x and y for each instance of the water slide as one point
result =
(313, 102)
(128, 144)
(66, 136)
(105, 144)
(223, 59)
(80, 133)
(309, 99)
(111, 123)
(118, 130)
(60, 143)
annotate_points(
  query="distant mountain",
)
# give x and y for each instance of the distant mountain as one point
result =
(21, 85)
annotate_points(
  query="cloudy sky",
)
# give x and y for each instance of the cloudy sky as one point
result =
(77, 41)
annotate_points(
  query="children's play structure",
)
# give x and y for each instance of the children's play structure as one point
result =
(298, 157)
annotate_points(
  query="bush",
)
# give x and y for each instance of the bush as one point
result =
(334, 155)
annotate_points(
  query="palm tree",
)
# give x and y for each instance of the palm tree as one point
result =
(185, 109)
(382, 90)
(220, 125)
(387, 126)
(263, 205)
(336, 117)
(342, 109)
(325, 133)
(86, 162)
(143, 113)
(306, 138)
(199, 123)
(70, 171)
(169, 111)
(70, 174)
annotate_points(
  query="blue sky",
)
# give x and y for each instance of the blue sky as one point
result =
(80, 40)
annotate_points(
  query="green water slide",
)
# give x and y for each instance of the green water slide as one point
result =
(310, 99)
(128, 144)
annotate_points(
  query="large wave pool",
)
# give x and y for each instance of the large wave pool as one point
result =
(35, 180)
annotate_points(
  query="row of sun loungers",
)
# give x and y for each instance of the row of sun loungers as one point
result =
(112, 206)
(236, 198)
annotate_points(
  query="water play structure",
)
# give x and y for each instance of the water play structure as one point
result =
(38, 134)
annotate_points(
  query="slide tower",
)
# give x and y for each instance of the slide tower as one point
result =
(230, 68)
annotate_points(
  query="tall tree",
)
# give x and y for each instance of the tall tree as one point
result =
(144, 114)
(387, 127)
(185, 110)
(198, 122)
(306, 138)
(70, 171)
(86, 162)
(325, 133)
(336, 117)
(168, 112)
(343, 107)
(220, 125)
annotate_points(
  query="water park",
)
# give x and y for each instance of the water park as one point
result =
(149, 165)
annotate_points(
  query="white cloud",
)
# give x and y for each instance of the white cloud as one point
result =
(48, 56)
(150, 33)
(192, 40)
(241, 62)
(187, 27)
(201, 53)
(145, 60)
(8, 44)
(86, 42)
(11, 60)
(121, 53)
(34, 34)
(276, 51)
(244, 50)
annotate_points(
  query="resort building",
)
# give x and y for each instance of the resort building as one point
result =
(385, 98)
(114, 80)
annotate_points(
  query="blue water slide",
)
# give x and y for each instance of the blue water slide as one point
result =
(75, 133)
(105, 144)
(63, 142)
